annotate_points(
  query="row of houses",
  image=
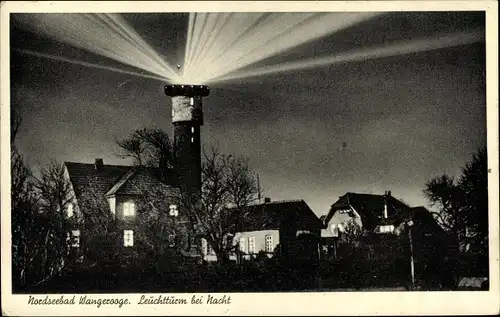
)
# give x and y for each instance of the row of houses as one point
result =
(289, 229)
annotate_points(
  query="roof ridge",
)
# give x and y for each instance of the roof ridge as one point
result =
(278, 202)
(105, 165)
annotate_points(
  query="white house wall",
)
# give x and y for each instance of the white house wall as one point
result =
(260, 242)
(342, 219)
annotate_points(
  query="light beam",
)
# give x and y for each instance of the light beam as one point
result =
(400, 48)
(91, 65)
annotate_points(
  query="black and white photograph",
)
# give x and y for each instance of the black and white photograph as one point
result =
(230, 152)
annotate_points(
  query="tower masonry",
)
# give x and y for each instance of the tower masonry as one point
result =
(187, 118)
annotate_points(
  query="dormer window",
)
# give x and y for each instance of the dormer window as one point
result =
(129, 209)
(69, 210)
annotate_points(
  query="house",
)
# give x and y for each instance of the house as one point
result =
(289, 229)
(118, 192)
(389, 231)
(380, 214)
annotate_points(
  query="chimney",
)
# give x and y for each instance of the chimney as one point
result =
(98, 163)
(267, 200)
(387, 195)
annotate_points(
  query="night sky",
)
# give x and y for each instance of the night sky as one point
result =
(366, 127)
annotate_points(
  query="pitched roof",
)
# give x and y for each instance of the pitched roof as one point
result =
(273, 215)
(135, 180)
(83, 176)
(370, 208)
(108, 180)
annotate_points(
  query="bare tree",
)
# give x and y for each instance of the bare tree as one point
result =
(149, 147)
(15, 123)
(227, 187)
(164, 235)
(26, 234)
(39, 245)
(55, 194)
(133, 148)
(101, 243)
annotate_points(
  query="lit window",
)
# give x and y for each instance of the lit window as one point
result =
(69, 210)
(269, 243)
(192, 140)
(242, 244)
(128, 209)
(128, 238)
(251, 245)
(191, 101)
(204, 246)
(174, 212)
(75, 241)
(192, 129)
(386, 228)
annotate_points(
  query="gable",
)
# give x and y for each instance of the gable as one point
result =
(86, 178)
(370, 209)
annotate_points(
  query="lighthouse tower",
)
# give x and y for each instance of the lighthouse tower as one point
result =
(187, 118)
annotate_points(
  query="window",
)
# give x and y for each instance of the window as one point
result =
(469, 232)
(192, 140)
(386, 228)
(128, 238)
(69, 210)
(242, 244)
(344, 211)
(251, 245)
(75, 238)
(210, 249)
(334, 229)
(192, 130)
(171, 240)
(204, 246)
(174, 212)
(112, 204)
(128, 209)
(191, 101)
(341, 227)
(269, 243)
